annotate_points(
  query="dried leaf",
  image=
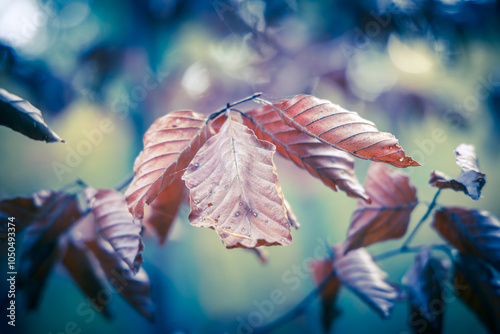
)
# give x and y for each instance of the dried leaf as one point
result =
(387, 217)
(475, 232)
(425, 283)
(86, 273)
(23, 117)
(342, 129)
(234, 189)
(470, 180)
(135, 288)
(41, 249)
(477, 285)
(334, 167)
(164, 209)
(321, 269)
(291, 216)
(169, 145)
(357, 271)
(116, 224)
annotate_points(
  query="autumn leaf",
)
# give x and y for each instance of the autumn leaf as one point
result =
(358, 272)
(164, 209)
(342, 129)
(234, 189)
(334, 167)
(322, 269)
(41, 248)
(23, 117)
(388, 215)
(475, 232)
(116, 224)
(169, 145)
(425, 282)
(476, 284)
(82, 267)
(135, 288)
(470, 180)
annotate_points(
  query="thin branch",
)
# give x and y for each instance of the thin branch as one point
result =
(230, 105)
(125, 182)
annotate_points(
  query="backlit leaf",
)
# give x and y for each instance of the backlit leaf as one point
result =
(234, 189)
(388, 215)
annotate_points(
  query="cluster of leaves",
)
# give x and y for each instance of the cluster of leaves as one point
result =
(472, 234)
(224, 165)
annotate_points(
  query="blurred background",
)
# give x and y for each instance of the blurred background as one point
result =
(427, 71)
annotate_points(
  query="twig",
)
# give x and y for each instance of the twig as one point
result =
(125, 182)
(230, 105)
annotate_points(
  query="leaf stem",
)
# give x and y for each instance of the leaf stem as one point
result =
(125, 182)
(230, 105)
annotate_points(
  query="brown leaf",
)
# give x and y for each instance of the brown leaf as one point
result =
(81, 265)
(135, 288)
(387, 217)
(470, 180)
(291, 216)
(234, 189)
(321, 269)
(23, 117)
(334, 167)
(41, 249)
(342, 129)
(169, 145)
(476, 284)
(357, 271)
(425, 281)
(475, 232)
(116, 224)
(165, 207)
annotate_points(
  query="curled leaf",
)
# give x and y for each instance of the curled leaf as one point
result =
(23, 117)
(475, 232)
(357, 271)
(135, 288)
(470, 180)
(476, 284)
(169, 145)
(234, 189)
(342, 129)
(116, 224)
(334, 167)
(388, 215)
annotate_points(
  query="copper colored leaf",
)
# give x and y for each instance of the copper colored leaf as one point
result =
(342, 129)
(475, 232)
(23, 117)
(135, 288)
(83, 268)
(476, 284)
(322, 269)
(357, 271)
(334, 167)
(387, 217)
(169, 145)
(164, 209)
(425, 281)
(116, 224)
(470, 180)
(234, 189)
(292, 218)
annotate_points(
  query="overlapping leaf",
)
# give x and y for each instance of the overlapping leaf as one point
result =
(342, 129)
(322, 269)
(23, 117)
(135, 288)
(470, 180)
(116, 224)
(357, 271)
(82, 267)
(169, 145)
(425, 282)
(234, 189)
(477, 285)
(164, 208)
(334, 167)
(475, 232)
(388, 215)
